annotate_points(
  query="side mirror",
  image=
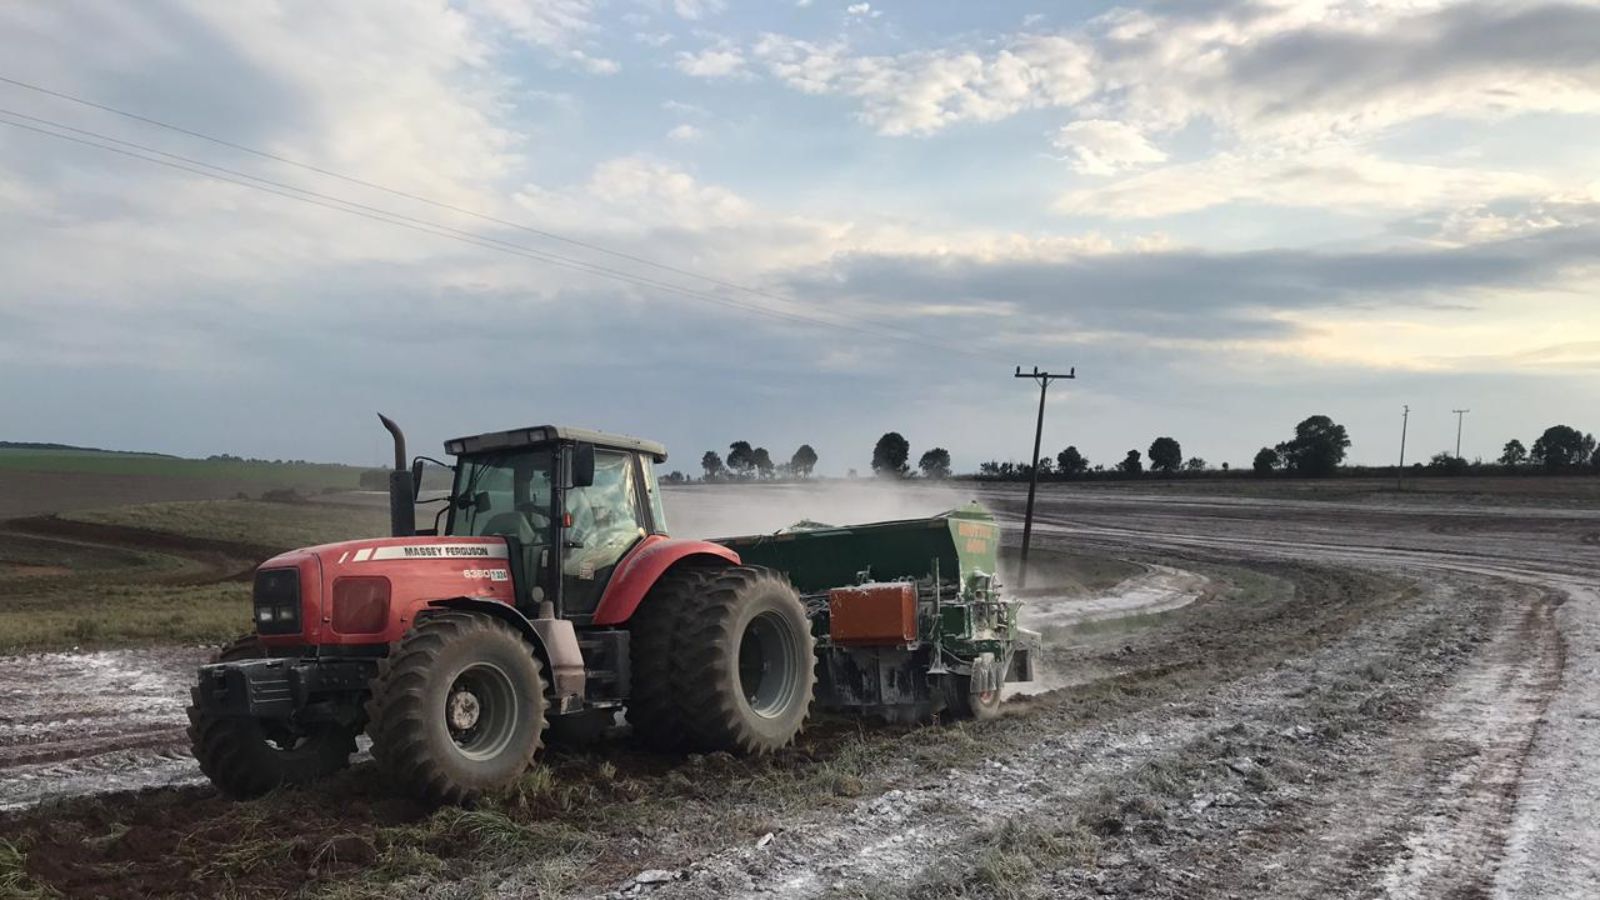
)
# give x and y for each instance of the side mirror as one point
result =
(416, 478)
(582, 465)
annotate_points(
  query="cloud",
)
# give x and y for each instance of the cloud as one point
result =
(684, 133)
(1332, 178)
(698, 9)
(1104, 147)
(862, 11)
(720, 61)
(922, 92)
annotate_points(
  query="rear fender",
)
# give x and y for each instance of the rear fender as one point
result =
(640, 571)
(554, 639)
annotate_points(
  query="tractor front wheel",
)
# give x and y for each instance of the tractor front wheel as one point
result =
(247, 757)
(458, 708)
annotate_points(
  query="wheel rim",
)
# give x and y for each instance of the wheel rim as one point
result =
(768, 672)
(480, 711)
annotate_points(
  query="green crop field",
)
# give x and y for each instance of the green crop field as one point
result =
(306, 476)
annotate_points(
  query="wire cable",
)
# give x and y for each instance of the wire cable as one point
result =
(291, 192)
(351, 179)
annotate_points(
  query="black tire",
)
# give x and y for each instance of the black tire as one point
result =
(457, 709)
(653, 707)
(962, 702)
(744, 663)
(246, 757)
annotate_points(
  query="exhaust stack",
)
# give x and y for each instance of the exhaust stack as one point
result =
(402, 490)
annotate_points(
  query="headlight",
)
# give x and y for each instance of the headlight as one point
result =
(277, 601)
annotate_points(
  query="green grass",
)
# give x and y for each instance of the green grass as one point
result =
(257, 523)
(306, 476)
(14, 878)
(57, 594)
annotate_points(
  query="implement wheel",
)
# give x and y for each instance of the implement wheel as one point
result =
(962, 702)
(457, 709)
(247, 757)
(744, 663)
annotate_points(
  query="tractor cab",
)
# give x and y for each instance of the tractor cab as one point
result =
(570, 502)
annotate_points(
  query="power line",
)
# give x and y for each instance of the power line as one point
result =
(397, 192)
(339, 204)
(1044, 379)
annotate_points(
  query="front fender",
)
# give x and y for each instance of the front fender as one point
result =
(644, 567)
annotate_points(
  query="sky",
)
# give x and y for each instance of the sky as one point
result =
(798, 221)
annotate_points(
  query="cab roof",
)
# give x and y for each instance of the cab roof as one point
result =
(542, 434)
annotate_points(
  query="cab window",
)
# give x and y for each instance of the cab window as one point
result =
(606, 522)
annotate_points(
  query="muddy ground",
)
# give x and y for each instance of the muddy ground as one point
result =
(1242, 697)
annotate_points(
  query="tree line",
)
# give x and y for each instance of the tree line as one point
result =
(1316, 450)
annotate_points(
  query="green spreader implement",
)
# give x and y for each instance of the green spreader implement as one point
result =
(906, 615)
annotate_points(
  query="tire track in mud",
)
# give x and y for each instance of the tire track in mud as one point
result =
(81, 723)
(1420, 799)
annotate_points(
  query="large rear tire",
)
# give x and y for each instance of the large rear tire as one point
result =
(745, 662)
(457, 709)
(654, 710)
(247, 757)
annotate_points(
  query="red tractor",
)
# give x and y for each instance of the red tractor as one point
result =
(547, 592)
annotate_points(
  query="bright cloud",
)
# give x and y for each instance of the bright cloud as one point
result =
(712, 62)
(1104, 147)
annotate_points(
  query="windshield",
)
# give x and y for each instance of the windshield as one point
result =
(504, 493)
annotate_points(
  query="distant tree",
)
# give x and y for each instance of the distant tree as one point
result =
(1195, 464)
(1165, 455)
(990, 468)
(1131, 464)
(889, 456)
(1513, 454)
(1448, 463)
(674, 477)
(712, 464)
(803, 461)
(851, 473)
(1046, 466)
(1070, 463)
(935, 463)
(762, 460)
(1266, 460)
(1224, 467)
(741, 458)
(1594, 460)
(1561, 446)
(1318, 447)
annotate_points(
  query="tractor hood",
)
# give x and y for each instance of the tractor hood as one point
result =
(357, 592)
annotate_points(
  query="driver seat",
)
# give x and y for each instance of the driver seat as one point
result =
(512, 524)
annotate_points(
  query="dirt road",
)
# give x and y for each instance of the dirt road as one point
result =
(1415, 718)
(1266, 698)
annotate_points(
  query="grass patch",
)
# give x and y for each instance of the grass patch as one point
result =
(14, 878)
(253, 522)
(68, 591)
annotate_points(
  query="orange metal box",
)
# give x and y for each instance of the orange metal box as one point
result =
(873, 614)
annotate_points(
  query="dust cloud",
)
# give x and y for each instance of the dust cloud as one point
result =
(728, 510)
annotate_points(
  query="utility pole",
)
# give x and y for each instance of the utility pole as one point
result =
(1460, 414)
(1044, 379)
(1400, 473)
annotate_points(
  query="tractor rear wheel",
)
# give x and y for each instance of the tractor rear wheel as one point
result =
(653, 706)
(247, 757)
(744, 665)
(458, 708)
